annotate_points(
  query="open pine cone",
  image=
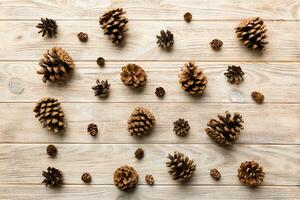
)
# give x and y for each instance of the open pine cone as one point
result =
(56, 65)
(181, 167)
(165, 39)
(126, 178)
(192, 79)
(113, 24)
(181, 127)
(102, 88)
(133, 75)
(140, 122)
(252, 33)
(234, 74)
(251, 173)
(48, 27)
(50, 114)
(53, 177)
(226, 129)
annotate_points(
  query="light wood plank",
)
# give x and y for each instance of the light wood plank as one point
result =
(25, 163)
(91, 192)
(264, 124)
(149, 9)
(22, 41)
(265, 77)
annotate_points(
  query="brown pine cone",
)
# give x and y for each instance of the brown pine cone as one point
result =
(258, 97)
(251, 173)
(234, 74)
(48, 27)
(133, 76)
(139, 153)
(192, 79)
(53, 177)
(216, 44)
(215, 174)
(126, 178)
(92, 129)
(160, 92)
(181, 127)
(51, 150)
(102, 88)
(83, 37)
(101, 61)
(149, 179)
(226, 129)
(165, 39)
(86, 177)
(188, 17)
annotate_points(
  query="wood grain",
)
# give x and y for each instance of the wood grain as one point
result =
(22, 42)
(264, 124)
(280, 162)
(151, 9)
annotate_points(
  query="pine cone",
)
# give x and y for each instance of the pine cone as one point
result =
(51, 150)
(215, 174)
(192, 79)
(226, 130)
(258, 97)
(113, 24)
(188, 17)
(139, 153)
(48, 27)
(165, 39)
(83, 37)
(92, 129)
(234, 74)
(101, 61)
(216, 44)
(251, 173)
(182, 168)
(149, 179)
(181, 127)
(50, 114)
(102, 88)
(160, 92)
(53, 177)
(126, 178)
(56, 65)
(86, 177)
(140, 122)
(252, 33)
(133, 75)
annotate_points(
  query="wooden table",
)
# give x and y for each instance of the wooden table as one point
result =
(272, 130)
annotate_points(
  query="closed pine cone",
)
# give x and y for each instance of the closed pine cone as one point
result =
(215, 174)
(181, 127)
(92, 129)
(234, 74)
(133, 76)
(251, 173)
(258, 97)
(56, 65)
(86, 177)
(53, 177)
(181, 167)
(140, 122)
(102, 88)
(252, 33)
(51, 150)
(139, 153)
(114, 25)
(165, 39)
(192, 79)
(149, 179)
(226, 129)
(160, 92)
(126, 178)
(50, 114)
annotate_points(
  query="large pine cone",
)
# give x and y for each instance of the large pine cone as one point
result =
(140, 122)
(53, 177)
(133, 75)
(56, 65)
(226, 129)
(50, 114)
(252, 33)
(251, 173)
(182, 168)
(113, 24)
(192, 79)
(126, 178)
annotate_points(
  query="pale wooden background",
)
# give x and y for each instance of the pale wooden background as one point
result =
(272, 130)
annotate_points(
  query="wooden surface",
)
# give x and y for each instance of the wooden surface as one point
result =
(272, 130)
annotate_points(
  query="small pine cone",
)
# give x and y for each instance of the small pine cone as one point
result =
(92, 129)
(215, 174)
(101, 61)
(83, 37)
(133, 76)
(165, 39)
(53, 177)
(181, 167)
(48, 27)
(51, 150)
(181, 127)
(126, 178)
(50, 114)
(56, 65)
(149, 179)
(139, 153)
(192, 79)
(86, 177)
(114, 25)
(251, 173)
(252, 33)
(216, 44)
(140, 122)
(258, 97)
(102, 88)
(188, 17)
(226, 129)
(160, 92)
(234, 74)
